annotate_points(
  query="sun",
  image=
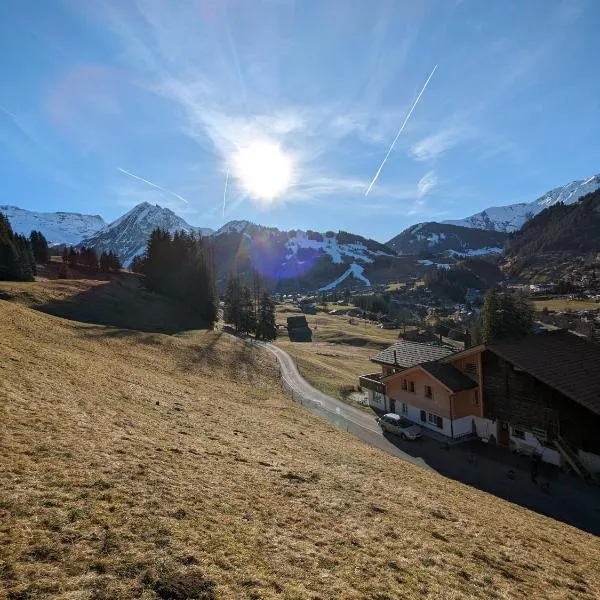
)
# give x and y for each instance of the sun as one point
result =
(263, 170)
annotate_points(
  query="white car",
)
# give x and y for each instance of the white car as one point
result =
(394, 423)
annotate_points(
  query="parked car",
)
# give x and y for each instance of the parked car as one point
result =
(394, 423)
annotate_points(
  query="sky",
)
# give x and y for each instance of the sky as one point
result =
(108, 103)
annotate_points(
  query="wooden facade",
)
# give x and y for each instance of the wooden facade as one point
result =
(514, 396)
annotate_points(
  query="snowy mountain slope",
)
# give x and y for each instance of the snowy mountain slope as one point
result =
(512, 217)
(234, 227)
(128, 235)
(57, 227)
(354, 270)
(438, 238)
(295, 259)
(329, 244)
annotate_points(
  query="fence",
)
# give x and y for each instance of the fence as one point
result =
(335, 416)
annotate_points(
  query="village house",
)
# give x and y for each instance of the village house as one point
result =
(537, 394)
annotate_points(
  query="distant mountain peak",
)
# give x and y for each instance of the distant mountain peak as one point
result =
(128, 235)
(512, 217)
(236, 226)
(57, 227)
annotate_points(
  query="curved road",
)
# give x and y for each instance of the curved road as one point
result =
(571, 501)
(358, 422)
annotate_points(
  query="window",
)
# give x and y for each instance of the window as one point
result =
(411, 386)
(435, 420)
(518, 433)
(404, 408)
(423, 417)
(404, 387)
(428, 392)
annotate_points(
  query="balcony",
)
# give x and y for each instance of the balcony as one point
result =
(372, 381)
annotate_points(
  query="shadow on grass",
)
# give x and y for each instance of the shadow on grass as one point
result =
(124, 303)
(496, 470)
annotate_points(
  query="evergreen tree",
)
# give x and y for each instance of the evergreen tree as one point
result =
(16, 257)
(114, 261)
(73, 257)
(505, 316)
(104, 262)
(39, 246)
(26, 258)
(247, 322)
(266, 327)
(89, 258)
(179, 266)
(232, 301)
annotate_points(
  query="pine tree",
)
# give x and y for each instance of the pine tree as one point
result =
(104, 262)
(247, 315)
(26, 258)
(232, 301)
(39, 246)
(266, 327)
(16, 257)
(73, 257)
(114, 261)
(505, 316)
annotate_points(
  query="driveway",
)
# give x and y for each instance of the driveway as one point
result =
(488, 468)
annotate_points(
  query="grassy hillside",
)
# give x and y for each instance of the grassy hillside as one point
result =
(340, 351)
(142, 465)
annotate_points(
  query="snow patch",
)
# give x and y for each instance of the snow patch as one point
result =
(355, 270)
(513, 216)
(58, 227)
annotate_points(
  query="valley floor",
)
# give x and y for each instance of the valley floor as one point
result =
(144, 465)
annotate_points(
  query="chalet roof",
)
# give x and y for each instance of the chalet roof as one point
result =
(449, 376)
(407, 354)
(562, 360)
(297, 322)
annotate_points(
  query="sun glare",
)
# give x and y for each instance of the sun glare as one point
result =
(263, 169)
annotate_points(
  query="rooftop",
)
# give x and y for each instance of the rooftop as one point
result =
(407, 354)
(560, 359)
(450, 376)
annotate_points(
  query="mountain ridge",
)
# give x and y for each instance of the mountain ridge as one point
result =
(57, 227)
(512, 217)
(444, 238)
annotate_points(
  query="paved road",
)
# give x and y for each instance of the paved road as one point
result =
(356, 421)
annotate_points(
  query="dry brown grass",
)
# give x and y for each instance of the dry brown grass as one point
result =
(141, 465)
(560, 304)
(340, 351)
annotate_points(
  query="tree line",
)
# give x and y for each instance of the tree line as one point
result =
(88, 259)
(181, 266)
(250, 309)
(19, 254)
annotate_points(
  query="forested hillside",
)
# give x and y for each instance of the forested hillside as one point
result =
(561, 241)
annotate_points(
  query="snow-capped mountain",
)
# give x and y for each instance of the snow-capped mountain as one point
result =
(234, 227)
(440, 238)
(57, 227)
(297, 259)
(512, 217)
(128, 235)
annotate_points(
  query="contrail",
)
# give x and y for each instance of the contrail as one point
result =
(225, 190)
(400, 131)
(154, 185)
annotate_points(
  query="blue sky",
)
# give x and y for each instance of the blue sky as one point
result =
(166, 90)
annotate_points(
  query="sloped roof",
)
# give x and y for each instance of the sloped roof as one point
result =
(409, 354)
(449, 376)
(562, 360)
